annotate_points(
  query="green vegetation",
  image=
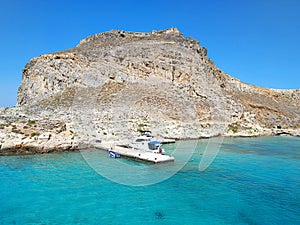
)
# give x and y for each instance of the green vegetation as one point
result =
(233, 127)
(242, 116)
(17, 131)
(205, 126)
(142, 127)
(33, 134)
(31, 122)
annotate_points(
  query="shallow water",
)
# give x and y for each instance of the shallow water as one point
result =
(251, 181)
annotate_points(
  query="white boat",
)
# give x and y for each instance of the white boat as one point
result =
(147, 143)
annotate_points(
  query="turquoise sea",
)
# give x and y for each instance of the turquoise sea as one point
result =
(251, 181)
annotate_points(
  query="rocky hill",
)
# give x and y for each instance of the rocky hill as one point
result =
(114, 84)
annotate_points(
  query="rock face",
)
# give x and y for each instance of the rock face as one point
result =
(116, 83)
(21, 134)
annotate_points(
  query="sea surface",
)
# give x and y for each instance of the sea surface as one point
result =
(250, 181)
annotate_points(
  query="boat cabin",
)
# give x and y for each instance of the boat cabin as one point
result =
(143, 138)
(154, 145)
(146, 133)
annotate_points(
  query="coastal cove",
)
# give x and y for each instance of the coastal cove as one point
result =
(251, 181)
(150, 112)
(235, 159)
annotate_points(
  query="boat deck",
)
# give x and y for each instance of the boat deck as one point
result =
(135, 153)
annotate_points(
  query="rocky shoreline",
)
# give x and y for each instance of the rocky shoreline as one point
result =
(21, 134)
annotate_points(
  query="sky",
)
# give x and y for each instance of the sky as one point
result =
(256, 41)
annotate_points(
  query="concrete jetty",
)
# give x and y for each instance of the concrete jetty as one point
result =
(168, 141)
(136, 154)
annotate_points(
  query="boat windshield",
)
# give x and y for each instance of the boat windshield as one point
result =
(154, 145)
(140, 140)
(143, 138)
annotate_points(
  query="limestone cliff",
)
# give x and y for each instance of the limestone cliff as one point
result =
(113, 84)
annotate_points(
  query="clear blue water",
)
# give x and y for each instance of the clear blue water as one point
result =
(251, 181)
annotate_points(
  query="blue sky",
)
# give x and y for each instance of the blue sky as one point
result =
(256, 41)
